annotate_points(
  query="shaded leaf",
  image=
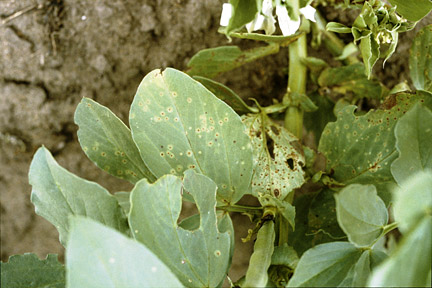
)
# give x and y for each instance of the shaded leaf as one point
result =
(412, 10)
(178, 124)
(278, 159)
(226, 94)
(284, 208)
(350, 79)
(123, 200)
(259, 263)
(98, 256)
(317, 120)
(410, 265)
(361, 214)
(211, 62)
(413, 142)
(107, 141)
(279, 39)
(26, 271)
(360, 149)
(58, 194)
(153, 220)
(285, 255)
(413, 201)
(243, 12)
(420, 61)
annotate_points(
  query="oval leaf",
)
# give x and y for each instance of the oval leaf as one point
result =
(98, 256)
(178, 124)
(58, 194)
(107, 141)
(413, 141)
(153, 219)
(420, 61)
(23, 271)
(361, 214)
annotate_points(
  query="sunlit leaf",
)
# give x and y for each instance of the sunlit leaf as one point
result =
(413, 201)
(361, 214)
(410, 265)
(370, 52)
(197, 258)
(412, 10)
(107, 141)
(178, 124)
(278, 159)
(24, 271)
(98, 256)
(360, 149)
(413, 141)
(420, 61)
(213, 61)
(58, 194)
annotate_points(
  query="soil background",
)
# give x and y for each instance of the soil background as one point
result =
(62, 50)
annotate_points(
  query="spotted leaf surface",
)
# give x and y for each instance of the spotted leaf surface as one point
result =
(178, 124)
(107, 141)
(420, 61)
(198, 258)
(58, 194)
(98, 256)
(277, 159)
(360, 149)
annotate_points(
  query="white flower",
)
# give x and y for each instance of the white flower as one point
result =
(266, 21)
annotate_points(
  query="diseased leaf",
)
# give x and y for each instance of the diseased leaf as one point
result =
(412, 10)
(413, 201)
(153, 220)
(420, 61)
(278, 159)
(361, 214)
(177, 124)
(26, 271)
(413, 142)
(211, 62)
(243, 12)
(256, 275)
(107, 141)
(98, 256)
(226, 94)
(350, 79)
(410, 265)
(58, 194)
(360, 149)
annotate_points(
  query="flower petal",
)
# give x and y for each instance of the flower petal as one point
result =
(227, 10)
(287, 25)
(308, 12)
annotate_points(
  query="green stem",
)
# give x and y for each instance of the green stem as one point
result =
(242, 209)
(389, 228)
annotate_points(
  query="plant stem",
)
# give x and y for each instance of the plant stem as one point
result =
(389, 228)
(242, 209)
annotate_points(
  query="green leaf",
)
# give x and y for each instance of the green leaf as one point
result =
(226, 94)
(243, 12)
(123, 200)
(410, 265)
(325, 265)
(199, 257)
(211, 62)
(107, 141)
(413, 201)
(412, 10)
(317, 120)
(370, 51)
(361, 214)
(350, 79)
(58, 194)
(277, 157)
(360, 149)
(25, 271)
(256, 275)
(337, 27)
(178, 124)
(285, 255)
(98, 256)
(420, 61)
(278, 39)
(284, 208)
(413, 141)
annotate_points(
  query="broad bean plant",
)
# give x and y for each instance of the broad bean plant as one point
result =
(349, 205)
